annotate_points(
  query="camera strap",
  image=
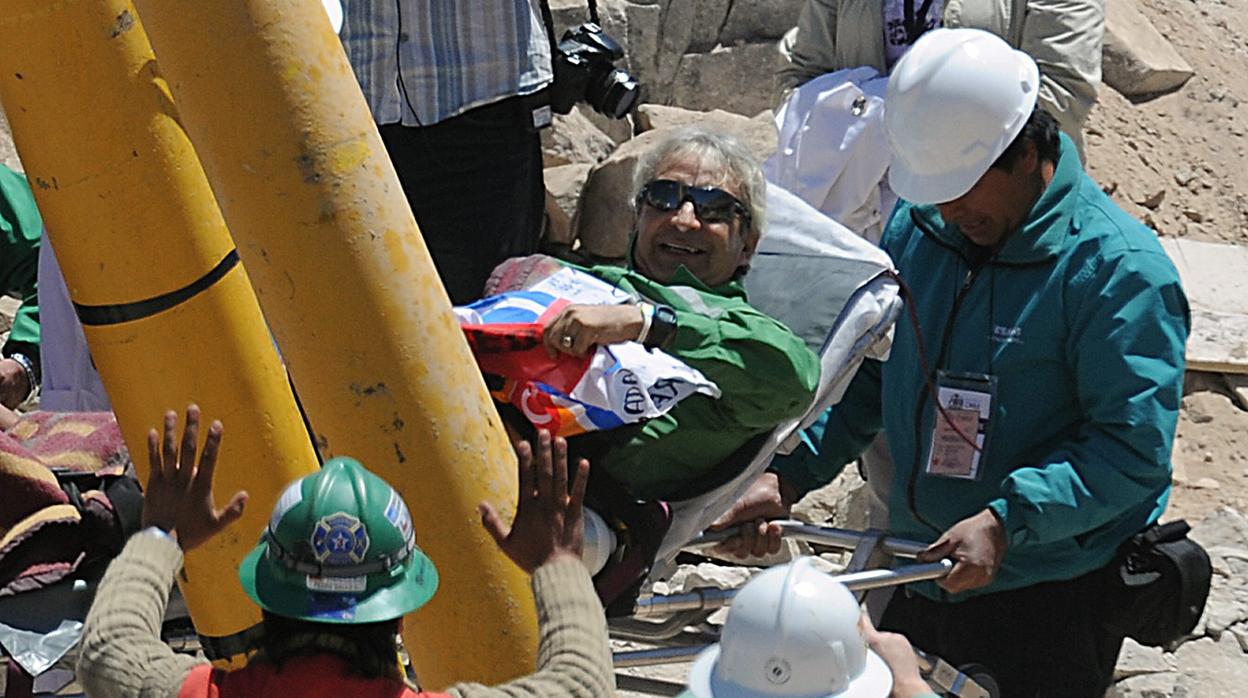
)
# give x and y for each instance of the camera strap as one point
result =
(548, 18)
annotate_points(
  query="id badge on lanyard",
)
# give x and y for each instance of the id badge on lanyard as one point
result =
(961, 429)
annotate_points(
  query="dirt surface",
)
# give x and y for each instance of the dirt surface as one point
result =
(1210, 451)
(1177, 161)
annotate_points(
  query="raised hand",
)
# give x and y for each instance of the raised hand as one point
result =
(548, 522)
(178, 498)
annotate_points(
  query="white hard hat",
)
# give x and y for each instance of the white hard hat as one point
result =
(333, 8)
(792, 631)
(955, 101)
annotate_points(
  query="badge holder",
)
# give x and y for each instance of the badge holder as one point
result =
(963, 424)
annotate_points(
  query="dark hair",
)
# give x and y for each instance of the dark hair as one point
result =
(1041, 129)
(368, 649)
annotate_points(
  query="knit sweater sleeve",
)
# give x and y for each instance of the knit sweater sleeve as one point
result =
(574, 658)
(122, 654)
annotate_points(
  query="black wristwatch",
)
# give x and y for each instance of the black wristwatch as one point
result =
(662, 328)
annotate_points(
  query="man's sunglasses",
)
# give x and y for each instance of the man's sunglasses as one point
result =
(711, 204)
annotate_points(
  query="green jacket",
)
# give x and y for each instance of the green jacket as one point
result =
(20, 229)
(1083, 321)
(765, 372)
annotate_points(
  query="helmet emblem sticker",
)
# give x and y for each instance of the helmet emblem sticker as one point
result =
(339, 540)
(398, 516)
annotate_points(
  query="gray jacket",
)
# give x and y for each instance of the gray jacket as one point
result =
(1063, 36)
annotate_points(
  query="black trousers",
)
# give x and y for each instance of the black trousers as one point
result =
(474, 183)
(1047, 640)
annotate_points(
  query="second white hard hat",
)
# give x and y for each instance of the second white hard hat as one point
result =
(955, 101)
(793, 632)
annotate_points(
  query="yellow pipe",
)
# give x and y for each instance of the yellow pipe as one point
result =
(133, 219)
(304, 182)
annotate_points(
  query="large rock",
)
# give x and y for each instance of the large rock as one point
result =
(1136, 660)
(677, 34)
(841, 503)
(758, 133)
(1224, 534)
(1137, 60)
(618, 130)
(739, 79)
(1167, 685)
(573, 139)
(1223, 528)
(709, 18)
(1213, 668)
(563, 191)
(605, 215)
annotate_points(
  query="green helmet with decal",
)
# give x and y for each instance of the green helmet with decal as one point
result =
(339, 548)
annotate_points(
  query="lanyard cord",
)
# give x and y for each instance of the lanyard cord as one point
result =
(929, 390)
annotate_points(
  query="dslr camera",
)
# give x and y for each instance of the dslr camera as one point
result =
(585, 71)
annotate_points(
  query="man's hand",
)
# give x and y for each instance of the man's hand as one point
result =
(976, 545)
(898, 654)
(178, 497)
(767, 498)
(14, 385)
(548, 522)
(580, 328)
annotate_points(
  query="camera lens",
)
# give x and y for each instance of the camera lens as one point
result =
(614, 93)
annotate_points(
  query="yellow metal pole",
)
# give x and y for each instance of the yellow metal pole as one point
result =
(168, 312)
(270, 102)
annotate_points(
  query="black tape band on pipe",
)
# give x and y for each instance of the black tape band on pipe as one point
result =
(240, 643)
(137, 310)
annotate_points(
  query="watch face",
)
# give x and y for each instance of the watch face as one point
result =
(663, 328)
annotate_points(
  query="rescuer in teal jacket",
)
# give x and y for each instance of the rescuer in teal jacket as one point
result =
(1081, 319)
(1052, 328)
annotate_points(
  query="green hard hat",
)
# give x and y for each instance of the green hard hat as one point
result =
(339, 548)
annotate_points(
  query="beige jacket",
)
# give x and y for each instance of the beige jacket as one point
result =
(1063, 36)
(123, 657)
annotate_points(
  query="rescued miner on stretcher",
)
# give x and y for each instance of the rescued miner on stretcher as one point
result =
(699, 212)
